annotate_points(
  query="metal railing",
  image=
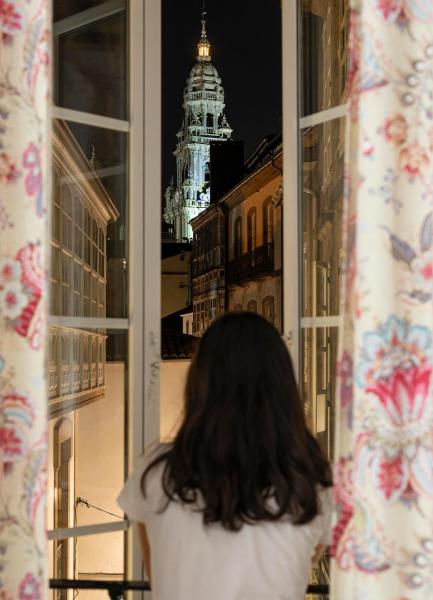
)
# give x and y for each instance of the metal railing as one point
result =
(255, 263)
(116, 589)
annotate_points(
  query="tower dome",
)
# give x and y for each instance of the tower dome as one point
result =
(204, 122)
(203, 86)
(203, 74)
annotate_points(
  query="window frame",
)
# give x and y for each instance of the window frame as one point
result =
(252, 229)
(267, 222)
(144, 128)
(238, 237)
(143, 326)
(293, 322)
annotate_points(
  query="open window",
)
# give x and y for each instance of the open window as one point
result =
(106, 245)
(106, 168)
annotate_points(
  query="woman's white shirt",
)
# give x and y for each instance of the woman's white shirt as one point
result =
(193, 561)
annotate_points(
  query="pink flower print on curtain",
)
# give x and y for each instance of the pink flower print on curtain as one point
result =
(17, 417)
(24, 150)
(29, 588)
(12, 19)
(405, 10)
(383, 534)
(8, 169)
(21, 287)
(33, 180)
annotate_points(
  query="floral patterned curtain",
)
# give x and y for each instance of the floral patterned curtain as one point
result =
(24, 104)
(383, 538)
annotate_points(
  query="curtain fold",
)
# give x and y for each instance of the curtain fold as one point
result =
(24, 128)
(383, 535)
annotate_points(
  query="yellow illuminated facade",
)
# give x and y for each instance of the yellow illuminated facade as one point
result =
(82, 210)
(254, 242)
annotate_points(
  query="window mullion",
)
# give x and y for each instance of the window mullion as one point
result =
(89, 16)
(324, 116)
(84, 118)
(291, 252)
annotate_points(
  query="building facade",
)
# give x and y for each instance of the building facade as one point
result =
(82, 210)
(78, 370)
(236, 262)
(204, 122)
(208, 267)
(253, 276)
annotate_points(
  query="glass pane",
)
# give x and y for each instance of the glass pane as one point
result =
(91, 68)
(89, 226)
(94, 557)
(321, 214)
(319, 356)
(324, 36)
(66, 8)
(88, 367)
(318, 388)
(87, 417)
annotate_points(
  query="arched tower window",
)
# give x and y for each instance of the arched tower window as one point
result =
(238, 238)
(209, 120)
(207, 172)
(252, 218)
(268, 221)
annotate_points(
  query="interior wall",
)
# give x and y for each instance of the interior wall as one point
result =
(100, 457)
(172, 385)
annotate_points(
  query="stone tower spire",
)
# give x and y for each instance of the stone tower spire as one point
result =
(204, 122)
(203, 45)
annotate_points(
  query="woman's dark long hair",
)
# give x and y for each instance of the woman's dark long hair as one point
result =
(243, 447)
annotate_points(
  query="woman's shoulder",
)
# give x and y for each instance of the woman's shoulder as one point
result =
(324, 518)
(153, 453)
(326, 499)
(140, 495)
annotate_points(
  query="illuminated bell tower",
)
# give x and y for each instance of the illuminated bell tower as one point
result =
(204, 122)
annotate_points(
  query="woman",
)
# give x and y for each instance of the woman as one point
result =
(238, 506)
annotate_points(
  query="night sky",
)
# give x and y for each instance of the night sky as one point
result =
(245, 37)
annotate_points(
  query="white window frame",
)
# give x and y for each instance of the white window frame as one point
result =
(144, 128)
(293, 126)
(144, 185)
(290, 235)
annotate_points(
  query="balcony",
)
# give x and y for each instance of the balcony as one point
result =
(53, 381)
(73, 375)
(213, 259)
(253, 265)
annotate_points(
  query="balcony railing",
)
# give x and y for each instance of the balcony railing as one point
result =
(94, 375)
(74, 372)
(252, 265)
(86, 377)
(75, 375)
(66, 379)
(207, 261)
